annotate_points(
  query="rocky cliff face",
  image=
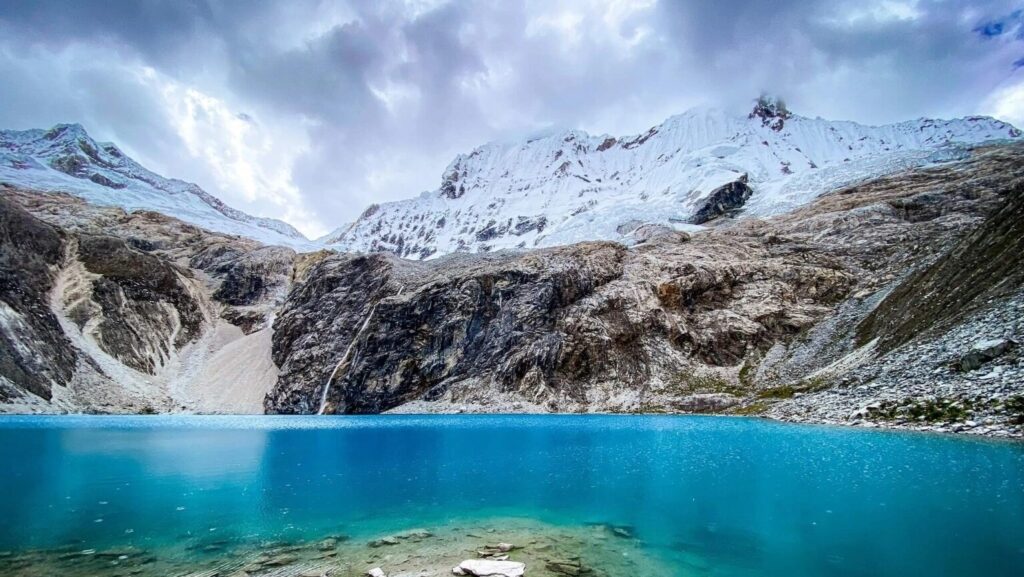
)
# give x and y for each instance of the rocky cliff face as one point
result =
(987, 265)
(113, 311)
(590, 326)
(34, 353)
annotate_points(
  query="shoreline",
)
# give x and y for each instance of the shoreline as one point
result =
(956, 429)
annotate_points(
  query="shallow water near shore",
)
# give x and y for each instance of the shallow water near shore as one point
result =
(618, 495)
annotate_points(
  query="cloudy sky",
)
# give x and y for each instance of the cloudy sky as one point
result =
(310, 110)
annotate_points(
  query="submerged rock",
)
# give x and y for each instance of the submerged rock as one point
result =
(490, 568)
(623, 532)
(390, 540)
(281, 560)
(415, 534)
(571, 567)
(497, 552)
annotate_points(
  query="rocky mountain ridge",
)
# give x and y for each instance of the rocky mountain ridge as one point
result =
(66, 159)
(790, 317)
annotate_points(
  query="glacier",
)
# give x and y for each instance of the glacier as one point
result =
(570, 186)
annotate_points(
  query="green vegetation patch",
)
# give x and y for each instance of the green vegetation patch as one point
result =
(787, 391)
(1014, 406)
(780, 392)
(927, 410)
(751, 409)
(747, 372)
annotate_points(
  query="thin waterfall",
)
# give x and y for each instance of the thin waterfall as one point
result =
(348, 352)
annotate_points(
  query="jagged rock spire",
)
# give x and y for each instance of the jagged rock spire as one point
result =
(772, 111)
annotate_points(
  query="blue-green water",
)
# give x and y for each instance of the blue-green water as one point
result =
(750, 497)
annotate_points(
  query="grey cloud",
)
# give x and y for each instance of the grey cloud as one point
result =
(156, 30)
(871, 69)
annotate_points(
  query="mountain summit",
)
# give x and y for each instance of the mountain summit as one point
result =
(694, 167)
(66, 159)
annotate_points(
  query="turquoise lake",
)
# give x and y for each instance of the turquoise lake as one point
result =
(705, 495)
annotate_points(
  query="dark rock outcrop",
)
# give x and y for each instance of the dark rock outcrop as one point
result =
(253, 276)
(320, 320)
(724, 200)
(145, 306)
(985, 351)
(34, 352)
(496, 319)
(772, 112)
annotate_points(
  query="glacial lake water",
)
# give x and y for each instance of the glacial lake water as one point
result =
(704, 495)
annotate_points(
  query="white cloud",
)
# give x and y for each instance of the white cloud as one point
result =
(1007, 103)
(251, 163)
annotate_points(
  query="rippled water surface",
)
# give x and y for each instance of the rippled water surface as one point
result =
(709, 496)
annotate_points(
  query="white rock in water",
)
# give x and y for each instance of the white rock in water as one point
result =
(376, 572)
(486, 567)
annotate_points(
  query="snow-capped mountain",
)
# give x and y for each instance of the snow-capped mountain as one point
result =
(66, 159)
(571, 186)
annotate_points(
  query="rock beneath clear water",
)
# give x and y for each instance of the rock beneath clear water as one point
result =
(376, 572)
(416, 534)
(567, 567)
(384, 541)
(497, 552)
(281, 560)
(622, 531)
(490, 568)
(328, 544)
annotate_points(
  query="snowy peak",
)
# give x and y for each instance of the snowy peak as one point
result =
(570, 186)
(66, 159)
